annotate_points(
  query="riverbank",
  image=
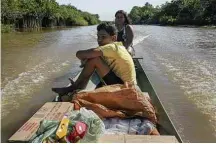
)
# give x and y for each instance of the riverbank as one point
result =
(7, 28)
(10, 28)
(211, 26)
(185, 26)
(197, 26)
(36, 14)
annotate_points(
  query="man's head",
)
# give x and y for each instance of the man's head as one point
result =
(106, 34)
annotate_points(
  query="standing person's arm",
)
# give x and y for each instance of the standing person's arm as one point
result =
(129, 36)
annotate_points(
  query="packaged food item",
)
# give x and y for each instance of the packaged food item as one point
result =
(63, 127)
(78, 132)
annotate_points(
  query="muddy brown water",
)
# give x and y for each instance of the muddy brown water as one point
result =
(180, 63)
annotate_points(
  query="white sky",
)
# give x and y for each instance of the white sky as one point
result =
(107, 8)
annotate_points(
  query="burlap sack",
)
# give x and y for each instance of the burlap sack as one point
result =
(116, 101)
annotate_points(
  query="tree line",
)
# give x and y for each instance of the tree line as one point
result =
(176, 12)
(43, 13)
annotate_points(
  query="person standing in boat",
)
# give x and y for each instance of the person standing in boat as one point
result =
(125, 31)
(111, 61)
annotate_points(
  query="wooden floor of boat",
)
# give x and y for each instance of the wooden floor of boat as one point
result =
(137, 139)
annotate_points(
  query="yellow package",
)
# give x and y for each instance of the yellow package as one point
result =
(63, 127)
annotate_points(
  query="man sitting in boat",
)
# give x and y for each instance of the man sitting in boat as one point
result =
(110, 59)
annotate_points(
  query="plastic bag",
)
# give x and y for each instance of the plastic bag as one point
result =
(95, 124)
(47, 129)
(134, 126)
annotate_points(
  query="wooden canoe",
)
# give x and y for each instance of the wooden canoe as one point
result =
(165, 125)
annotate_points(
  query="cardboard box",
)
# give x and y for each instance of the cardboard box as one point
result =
(49, 111)
(137, 139)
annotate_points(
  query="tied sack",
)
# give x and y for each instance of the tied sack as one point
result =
(117, 100)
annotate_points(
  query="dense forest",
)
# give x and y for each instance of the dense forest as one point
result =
(176, 12)
(16, 14)
(42, 13)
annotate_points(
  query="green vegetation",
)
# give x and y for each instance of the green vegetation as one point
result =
(43, 13)
(6, 28)
(176, 12)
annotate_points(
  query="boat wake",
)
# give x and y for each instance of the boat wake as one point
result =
(139, 39)
(22, 88)
(197, 78)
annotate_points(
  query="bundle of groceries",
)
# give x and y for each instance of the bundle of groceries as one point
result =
(77, 126)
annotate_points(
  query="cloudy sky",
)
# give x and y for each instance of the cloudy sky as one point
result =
(107, 8)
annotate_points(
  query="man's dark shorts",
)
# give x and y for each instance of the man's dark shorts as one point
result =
(110, 79)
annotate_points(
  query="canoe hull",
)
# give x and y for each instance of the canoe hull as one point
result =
(165, 125)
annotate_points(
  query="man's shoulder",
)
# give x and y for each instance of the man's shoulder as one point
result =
(121, 46)
(111, 45)
(118, 43)
(105, 47)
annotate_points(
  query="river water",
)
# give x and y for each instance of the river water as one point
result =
(180, 63)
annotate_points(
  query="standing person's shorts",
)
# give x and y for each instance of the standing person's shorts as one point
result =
(109, 79)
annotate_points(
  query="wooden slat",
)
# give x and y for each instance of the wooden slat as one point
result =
(137, 139)
(137, 58)
(112, 139)
(150, 139)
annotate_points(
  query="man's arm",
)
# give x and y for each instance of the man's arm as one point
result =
(90, 53)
